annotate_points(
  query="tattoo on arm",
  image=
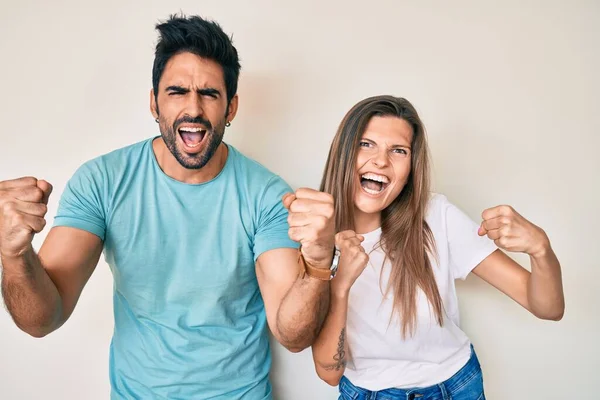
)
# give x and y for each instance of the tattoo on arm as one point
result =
(340, 356)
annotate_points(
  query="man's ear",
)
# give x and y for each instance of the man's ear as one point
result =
(233, 107)
(153, 105)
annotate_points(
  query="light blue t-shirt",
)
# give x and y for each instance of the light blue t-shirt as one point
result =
(190, 321)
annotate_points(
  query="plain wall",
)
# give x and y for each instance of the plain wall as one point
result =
(509, 93)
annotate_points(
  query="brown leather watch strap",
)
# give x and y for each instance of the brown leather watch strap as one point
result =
(307, 269)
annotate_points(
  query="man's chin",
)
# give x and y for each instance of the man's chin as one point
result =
(196, 159)
(191, 161)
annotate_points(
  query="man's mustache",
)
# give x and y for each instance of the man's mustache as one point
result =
(196, 120)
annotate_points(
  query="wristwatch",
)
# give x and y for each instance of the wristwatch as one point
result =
(319, 273)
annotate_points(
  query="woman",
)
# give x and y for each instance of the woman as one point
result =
(392, 331)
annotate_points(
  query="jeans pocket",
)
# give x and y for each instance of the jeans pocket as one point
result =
(470, 389)
(347, 393)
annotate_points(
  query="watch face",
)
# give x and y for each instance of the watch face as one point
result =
(334, 264)
(333, 271)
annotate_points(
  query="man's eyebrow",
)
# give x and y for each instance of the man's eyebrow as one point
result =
(209, 91)
(175, 88)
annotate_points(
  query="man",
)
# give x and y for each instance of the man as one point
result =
(195, 233)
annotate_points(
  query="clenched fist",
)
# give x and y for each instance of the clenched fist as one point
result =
(311, 221)
(511, 231)
(22, 209)
(353, 260)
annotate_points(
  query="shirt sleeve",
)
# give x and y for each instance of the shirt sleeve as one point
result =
(82, 203)
(466, 248)
(272, 229)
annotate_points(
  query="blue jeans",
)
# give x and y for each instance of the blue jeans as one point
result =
(466, 384)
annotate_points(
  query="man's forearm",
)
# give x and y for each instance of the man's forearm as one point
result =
(302, 312)
(30, 295)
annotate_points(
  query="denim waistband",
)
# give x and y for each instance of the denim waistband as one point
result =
(444, 389)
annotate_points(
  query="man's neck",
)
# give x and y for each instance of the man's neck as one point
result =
(171, 167)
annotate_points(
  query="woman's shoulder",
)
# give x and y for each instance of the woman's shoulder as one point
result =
(437, 198)
(439, 210)
(443, 215)
(437, 203)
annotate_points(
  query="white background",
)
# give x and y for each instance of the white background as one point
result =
(509, 93)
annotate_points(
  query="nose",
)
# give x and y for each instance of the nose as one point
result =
(380, 159)
(194, 107)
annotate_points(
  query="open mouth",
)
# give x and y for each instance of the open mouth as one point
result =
(373, 183)
(192, 136)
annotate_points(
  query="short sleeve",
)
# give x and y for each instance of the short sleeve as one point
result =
(82, 203)
(272, 228)
(466, 248)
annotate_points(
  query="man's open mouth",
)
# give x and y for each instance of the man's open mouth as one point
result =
(191, 136)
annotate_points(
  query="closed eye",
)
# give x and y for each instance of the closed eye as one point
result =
(175, 90)
(209, 92)
(400, 151)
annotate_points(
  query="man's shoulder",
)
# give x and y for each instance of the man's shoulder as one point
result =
(118, 159)
(253, 170)
(126, 153)
(106, 169)
(243, 161)
(257, 181)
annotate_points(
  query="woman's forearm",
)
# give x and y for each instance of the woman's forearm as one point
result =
(545, 289)
(330, 349)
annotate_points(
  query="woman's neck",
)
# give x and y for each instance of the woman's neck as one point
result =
(365, 222)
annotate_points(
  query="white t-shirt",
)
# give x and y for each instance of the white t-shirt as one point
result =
(379, 357)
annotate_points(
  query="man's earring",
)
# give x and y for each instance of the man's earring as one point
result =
(156, 120)
(228, 124)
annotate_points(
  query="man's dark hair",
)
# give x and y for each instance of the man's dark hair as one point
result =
(198, 36)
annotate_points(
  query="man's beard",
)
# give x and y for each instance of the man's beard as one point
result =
(213, 138)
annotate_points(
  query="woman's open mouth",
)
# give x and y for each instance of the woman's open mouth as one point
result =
(374, 184)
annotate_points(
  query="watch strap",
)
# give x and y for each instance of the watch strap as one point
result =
(323, 274)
